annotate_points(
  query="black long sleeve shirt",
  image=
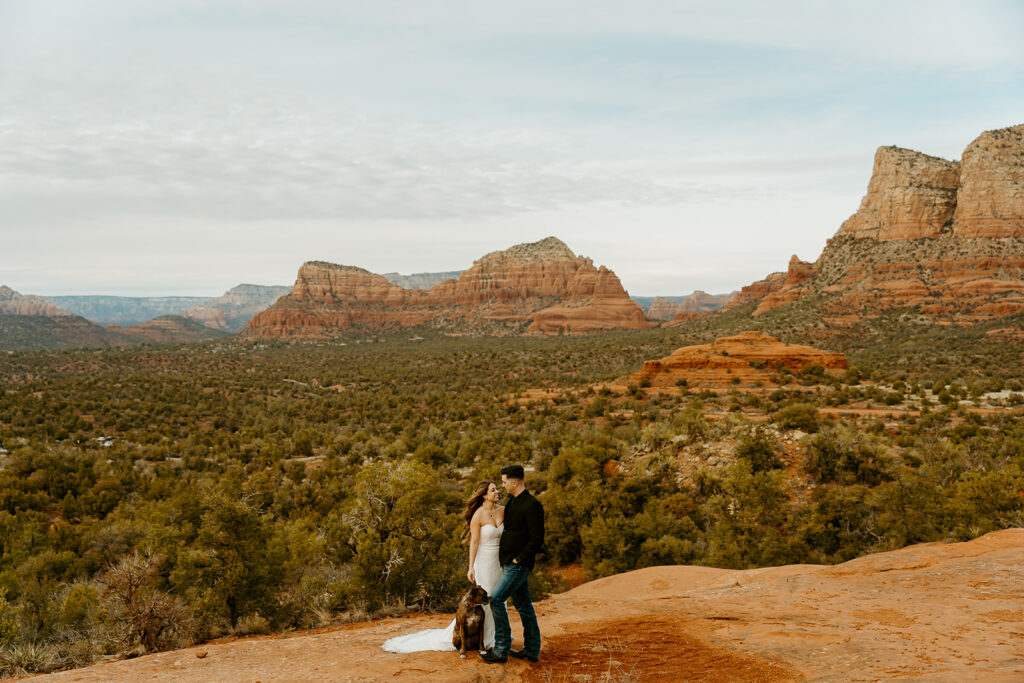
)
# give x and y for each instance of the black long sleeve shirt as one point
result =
(523, 536)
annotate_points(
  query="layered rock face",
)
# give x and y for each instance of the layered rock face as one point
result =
(990, 200)
(13, 303)
(749, 358)
(945, 239)
(232, 311)
(539, 288)
(910, 195)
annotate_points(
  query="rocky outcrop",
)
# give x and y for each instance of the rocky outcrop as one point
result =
(538, 288)
(941, 238)
(232, 311)
(910, 195)
(792, 287)
(421, 280)
(747, 359)
(13, 303)
(756, 291)
(929, 612)
(990, 200)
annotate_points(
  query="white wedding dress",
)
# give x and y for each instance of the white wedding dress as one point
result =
(488, 571)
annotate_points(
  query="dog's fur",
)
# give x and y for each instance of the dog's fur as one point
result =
(469, 621)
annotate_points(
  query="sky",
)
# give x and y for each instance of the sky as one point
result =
(182, 147)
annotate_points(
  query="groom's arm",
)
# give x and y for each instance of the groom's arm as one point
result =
(535, 525)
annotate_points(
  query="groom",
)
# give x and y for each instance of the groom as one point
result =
(522, 539)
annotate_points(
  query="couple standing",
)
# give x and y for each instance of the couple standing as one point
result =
(504, 542)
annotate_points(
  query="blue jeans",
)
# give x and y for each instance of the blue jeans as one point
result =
(514, 583)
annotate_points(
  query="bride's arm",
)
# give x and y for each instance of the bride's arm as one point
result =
(474, 544)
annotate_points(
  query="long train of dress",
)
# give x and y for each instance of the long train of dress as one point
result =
(488, 571)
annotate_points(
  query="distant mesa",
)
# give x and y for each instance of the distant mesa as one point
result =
(667, 308)
(942, 238)
(421, 280)
(124, 311)
(747, 359)
(540, 288)
(233, 310)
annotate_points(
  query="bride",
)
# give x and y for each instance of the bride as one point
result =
(484, 523)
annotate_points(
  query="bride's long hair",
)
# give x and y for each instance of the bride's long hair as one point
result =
(474, 503)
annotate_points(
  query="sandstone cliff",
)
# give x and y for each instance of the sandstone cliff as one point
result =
(13, 303)
(233, 310)
(538, 288)
(942, 238)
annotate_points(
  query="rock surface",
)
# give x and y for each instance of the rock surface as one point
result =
(990, 201)
(233, 310)
(747, 359)
(942, 238)
(539, 288)
(930, 612)
(910, 195)
(14, 303)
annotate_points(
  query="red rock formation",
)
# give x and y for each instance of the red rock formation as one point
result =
(792, 287)
(757, 291)
(542, 287)
(990, 201)
(943, 238)
(749, 358)
(13, 303)
(910, 195)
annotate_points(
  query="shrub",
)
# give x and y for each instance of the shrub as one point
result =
(149, 619)
(803, 416)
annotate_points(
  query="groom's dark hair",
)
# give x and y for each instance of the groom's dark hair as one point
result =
(514, 472)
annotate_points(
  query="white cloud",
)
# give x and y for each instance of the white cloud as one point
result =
(417, 136)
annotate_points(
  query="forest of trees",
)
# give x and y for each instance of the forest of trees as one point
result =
(155, 496)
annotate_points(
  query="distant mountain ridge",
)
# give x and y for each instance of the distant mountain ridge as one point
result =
(538, 288)
(668, 307)
(421, 280)
(125, 310)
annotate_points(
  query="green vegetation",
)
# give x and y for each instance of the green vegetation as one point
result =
(154, 496)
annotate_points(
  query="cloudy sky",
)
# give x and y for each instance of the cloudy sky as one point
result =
(157, 147)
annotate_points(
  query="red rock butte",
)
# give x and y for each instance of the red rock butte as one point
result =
(749, 359)
(541, 288)
(945, 238)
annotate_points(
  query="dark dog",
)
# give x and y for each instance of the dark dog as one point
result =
(469, 621)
